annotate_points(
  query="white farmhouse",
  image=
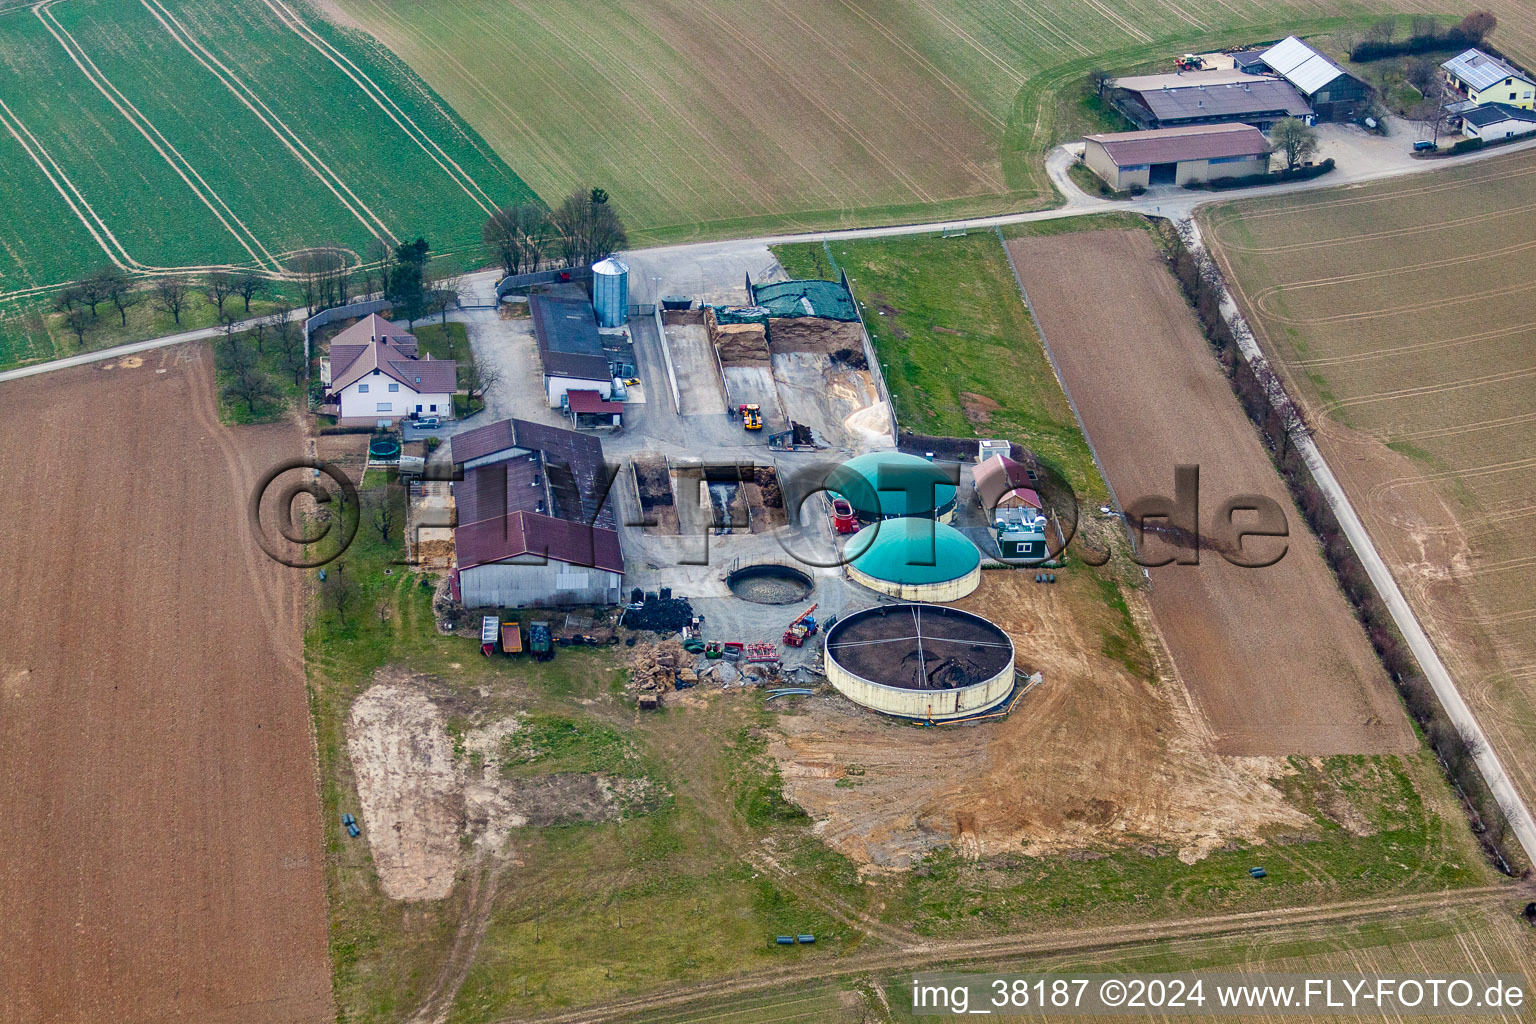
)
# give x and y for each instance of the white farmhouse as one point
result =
(374, 376)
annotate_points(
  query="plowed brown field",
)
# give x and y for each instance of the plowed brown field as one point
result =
(160, 853)
(1401, 315)
(1274, 656)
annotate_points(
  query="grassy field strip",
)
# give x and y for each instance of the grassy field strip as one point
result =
(1103, 945)
(385, 103)
(286, 135)
(152, 135)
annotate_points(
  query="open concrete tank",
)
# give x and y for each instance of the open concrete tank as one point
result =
(885, 485)
(914, 559)
(917, 661)
(610, 292)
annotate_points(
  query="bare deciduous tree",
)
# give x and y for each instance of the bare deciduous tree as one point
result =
(1477, 26)
(1421, 73)
(477, 379)
(113, 284)
(517, 236)
(338, 590)
(587, 228)
(248, 286)
(443, 293)
(219, 287)
(384, 506)
(249, 385)
(172, 295)
(1294, 139)
(79, 319)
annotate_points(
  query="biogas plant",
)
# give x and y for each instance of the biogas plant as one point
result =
(916, 659)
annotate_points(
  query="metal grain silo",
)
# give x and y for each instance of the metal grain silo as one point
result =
(610, 292)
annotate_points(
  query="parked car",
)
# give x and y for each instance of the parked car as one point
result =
(428, 422)
(1423, 147)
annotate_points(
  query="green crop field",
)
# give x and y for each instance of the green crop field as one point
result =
(168, 135)
(711, 118)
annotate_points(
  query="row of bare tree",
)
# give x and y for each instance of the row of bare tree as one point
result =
(580, 231)
(1281, 423)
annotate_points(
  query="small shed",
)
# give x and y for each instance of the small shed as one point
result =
(590, 409)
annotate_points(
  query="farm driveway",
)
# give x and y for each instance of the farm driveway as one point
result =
(161, 847)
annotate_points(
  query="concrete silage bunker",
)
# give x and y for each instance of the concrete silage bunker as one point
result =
(920, 662)
(914, 560)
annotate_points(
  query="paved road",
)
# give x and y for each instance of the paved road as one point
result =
(117, 352)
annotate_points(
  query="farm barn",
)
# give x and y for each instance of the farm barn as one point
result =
(570, 348)
(1174, 156)
(1208, 97)
(1485, 79)
(534, 526)
(1335, 94)
(373, 375)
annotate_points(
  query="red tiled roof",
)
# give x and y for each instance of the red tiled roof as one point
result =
(522, 534)
(1169, 145)
(592, 402)
(424, 376)
(373, 328)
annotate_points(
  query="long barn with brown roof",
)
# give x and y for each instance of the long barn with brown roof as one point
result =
(535, 526)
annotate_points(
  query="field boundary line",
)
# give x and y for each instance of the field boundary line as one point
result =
(145, 126)
(246, 95)
(1456, 708)
(376, 93)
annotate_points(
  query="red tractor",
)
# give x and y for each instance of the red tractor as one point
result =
(804, 626)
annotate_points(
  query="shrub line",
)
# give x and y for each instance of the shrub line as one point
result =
(1279, 420)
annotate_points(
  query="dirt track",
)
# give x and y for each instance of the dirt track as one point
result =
(1274, 657)
(161, 846)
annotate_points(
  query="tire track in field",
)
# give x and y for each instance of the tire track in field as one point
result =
(264, 114)
(1377, 236)
(145, 127)
(1291, 209)
(786, 74)
(405, 33)
(959, 33)
(386, 103)
(959, 159)
(1424, 390)
(1470, 428)
(1436, 345)
(932, 69)
(616, 62)
(561, 69)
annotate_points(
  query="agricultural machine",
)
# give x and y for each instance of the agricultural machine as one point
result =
(843, 519)
(804, 626)
(541, 643)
